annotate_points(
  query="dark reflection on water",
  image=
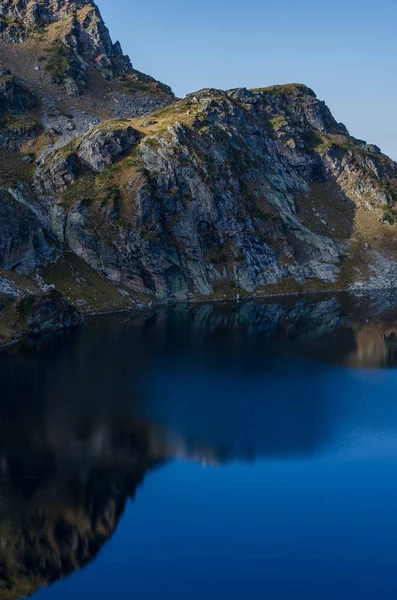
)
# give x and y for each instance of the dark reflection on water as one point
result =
(86, 413)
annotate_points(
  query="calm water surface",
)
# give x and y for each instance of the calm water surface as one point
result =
(215, 451)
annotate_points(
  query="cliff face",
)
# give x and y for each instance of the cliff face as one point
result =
(119, 193)
(235, 190)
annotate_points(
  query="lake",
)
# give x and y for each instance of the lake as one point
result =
(226, 450)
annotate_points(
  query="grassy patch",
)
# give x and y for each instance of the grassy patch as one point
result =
(316, 141)
(18, 124)
(76, 281)
(289, 89)
(326, 210)
(84, 190)
(58, 61)
(13, 169)
(278, 122)
(289, 285)
(140, 83)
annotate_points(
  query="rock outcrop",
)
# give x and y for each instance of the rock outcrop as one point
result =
(32, 310)
(14, 96)
(101, 147)
(48, 311)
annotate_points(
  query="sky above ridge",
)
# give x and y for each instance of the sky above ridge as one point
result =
(346, 50)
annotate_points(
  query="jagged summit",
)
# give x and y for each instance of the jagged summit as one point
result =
(35, 12)
(77, 36)
(68, 39)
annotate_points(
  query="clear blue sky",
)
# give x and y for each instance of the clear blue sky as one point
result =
(346, 50)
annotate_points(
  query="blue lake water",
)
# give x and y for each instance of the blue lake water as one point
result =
(214, 451)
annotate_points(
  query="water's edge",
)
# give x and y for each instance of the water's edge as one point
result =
(142, 307)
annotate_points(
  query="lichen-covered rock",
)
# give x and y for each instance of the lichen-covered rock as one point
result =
(48, 311)
(297, 103)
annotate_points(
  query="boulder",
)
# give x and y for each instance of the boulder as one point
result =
(105, 145)
(48, 311)
(15, 97)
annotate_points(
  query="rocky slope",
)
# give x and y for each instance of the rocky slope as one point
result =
(115, 192)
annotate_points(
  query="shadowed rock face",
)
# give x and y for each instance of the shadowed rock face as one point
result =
(23, 244)
(14, 96)
(48, 311)
(40, 311)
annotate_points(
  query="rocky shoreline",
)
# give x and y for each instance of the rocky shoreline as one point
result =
(379, 294)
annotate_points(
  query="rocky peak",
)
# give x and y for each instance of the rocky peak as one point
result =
(295, 103)
(75, 36)
(33, 12)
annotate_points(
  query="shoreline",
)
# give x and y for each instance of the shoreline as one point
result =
(228, 299)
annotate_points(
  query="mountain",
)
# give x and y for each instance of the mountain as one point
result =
(116, 193)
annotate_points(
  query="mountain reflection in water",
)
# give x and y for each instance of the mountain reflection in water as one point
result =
(86, 413)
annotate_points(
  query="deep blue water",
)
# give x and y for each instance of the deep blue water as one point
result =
(224, 451)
